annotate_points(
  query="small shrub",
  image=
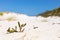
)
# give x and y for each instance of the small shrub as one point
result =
(12, 30)
(21, 26)
(15, 30)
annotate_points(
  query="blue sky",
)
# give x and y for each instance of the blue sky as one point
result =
(29, 7)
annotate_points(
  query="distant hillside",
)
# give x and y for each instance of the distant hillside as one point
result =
(54, 12)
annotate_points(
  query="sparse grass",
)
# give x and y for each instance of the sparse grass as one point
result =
(11, 19)
(11, 30)
(21, 26)
(1, 13)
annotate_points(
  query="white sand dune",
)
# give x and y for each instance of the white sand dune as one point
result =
(46, 28)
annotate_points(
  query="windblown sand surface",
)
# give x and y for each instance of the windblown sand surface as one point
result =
(37, 28)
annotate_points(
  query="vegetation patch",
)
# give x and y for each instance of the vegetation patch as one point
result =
(35, 27)
(11, 30)
(11, 18)
(54, 12)
(1, 13)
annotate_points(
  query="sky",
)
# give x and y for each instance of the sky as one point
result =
(28, 7)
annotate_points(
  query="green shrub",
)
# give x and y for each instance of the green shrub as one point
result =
(15, 30)
(21, 26)
(12, 30)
